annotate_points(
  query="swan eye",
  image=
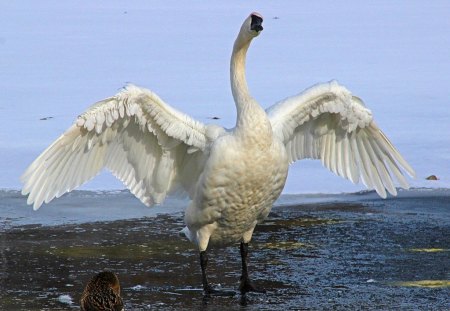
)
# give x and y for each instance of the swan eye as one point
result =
(256, 23)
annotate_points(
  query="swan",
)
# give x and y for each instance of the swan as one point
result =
(232, 176)
(102, 293)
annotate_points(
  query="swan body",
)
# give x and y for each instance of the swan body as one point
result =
(232, 176)
(235, 191)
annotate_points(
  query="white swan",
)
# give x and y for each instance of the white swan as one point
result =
(232, 176)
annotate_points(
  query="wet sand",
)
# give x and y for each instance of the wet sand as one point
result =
(367, 255)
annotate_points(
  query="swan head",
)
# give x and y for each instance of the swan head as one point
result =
(252, 26)
(256, 23)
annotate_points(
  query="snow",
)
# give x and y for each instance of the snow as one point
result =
(59, 57)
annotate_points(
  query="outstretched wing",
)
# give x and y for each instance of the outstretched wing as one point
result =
(326, 122)
(151, 147)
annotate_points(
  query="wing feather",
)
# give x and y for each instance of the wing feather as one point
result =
(141, 139)
(327, 122)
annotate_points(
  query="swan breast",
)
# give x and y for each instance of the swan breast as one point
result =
(238, 187)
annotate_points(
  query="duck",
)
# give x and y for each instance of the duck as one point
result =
(102, 293)
(231, 176)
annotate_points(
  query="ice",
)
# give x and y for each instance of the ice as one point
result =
(66, 299)
(80, 207)
(84, 206)
(57, 58)
(138, 287)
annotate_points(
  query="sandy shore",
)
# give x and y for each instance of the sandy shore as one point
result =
(373, 255)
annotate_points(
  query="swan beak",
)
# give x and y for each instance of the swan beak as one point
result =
(256, 23)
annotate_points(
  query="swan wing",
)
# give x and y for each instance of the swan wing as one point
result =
(151, 147)
(327, 122)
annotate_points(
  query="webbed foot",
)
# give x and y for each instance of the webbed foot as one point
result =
(248, 286)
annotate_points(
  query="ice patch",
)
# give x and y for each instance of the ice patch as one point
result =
(138, 287)
(86, 206)
(66, 299)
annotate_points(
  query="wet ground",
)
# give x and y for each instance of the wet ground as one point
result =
(368, 254)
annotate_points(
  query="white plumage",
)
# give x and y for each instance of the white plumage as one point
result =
(142, 140)
(232, 176)
(327, 122)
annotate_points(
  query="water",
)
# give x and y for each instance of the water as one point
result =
(342, 252)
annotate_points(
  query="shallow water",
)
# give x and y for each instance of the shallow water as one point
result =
(361, 253)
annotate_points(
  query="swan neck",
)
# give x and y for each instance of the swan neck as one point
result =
(239, 85)
(252, 125)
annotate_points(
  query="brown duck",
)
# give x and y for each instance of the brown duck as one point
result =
(102, 293)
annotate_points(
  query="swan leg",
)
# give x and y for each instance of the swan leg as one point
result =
(246, 284)
(203, 264)
(208, 290)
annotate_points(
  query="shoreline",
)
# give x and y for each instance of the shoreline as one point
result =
(83, 206)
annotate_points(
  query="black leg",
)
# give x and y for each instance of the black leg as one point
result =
(246, 285)
(244, 257)
(208, 290)
(203, 264)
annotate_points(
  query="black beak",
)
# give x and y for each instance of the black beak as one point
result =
(256, 24)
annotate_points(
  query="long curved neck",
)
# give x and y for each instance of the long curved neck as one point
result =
(239, 86)
(251, 123)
